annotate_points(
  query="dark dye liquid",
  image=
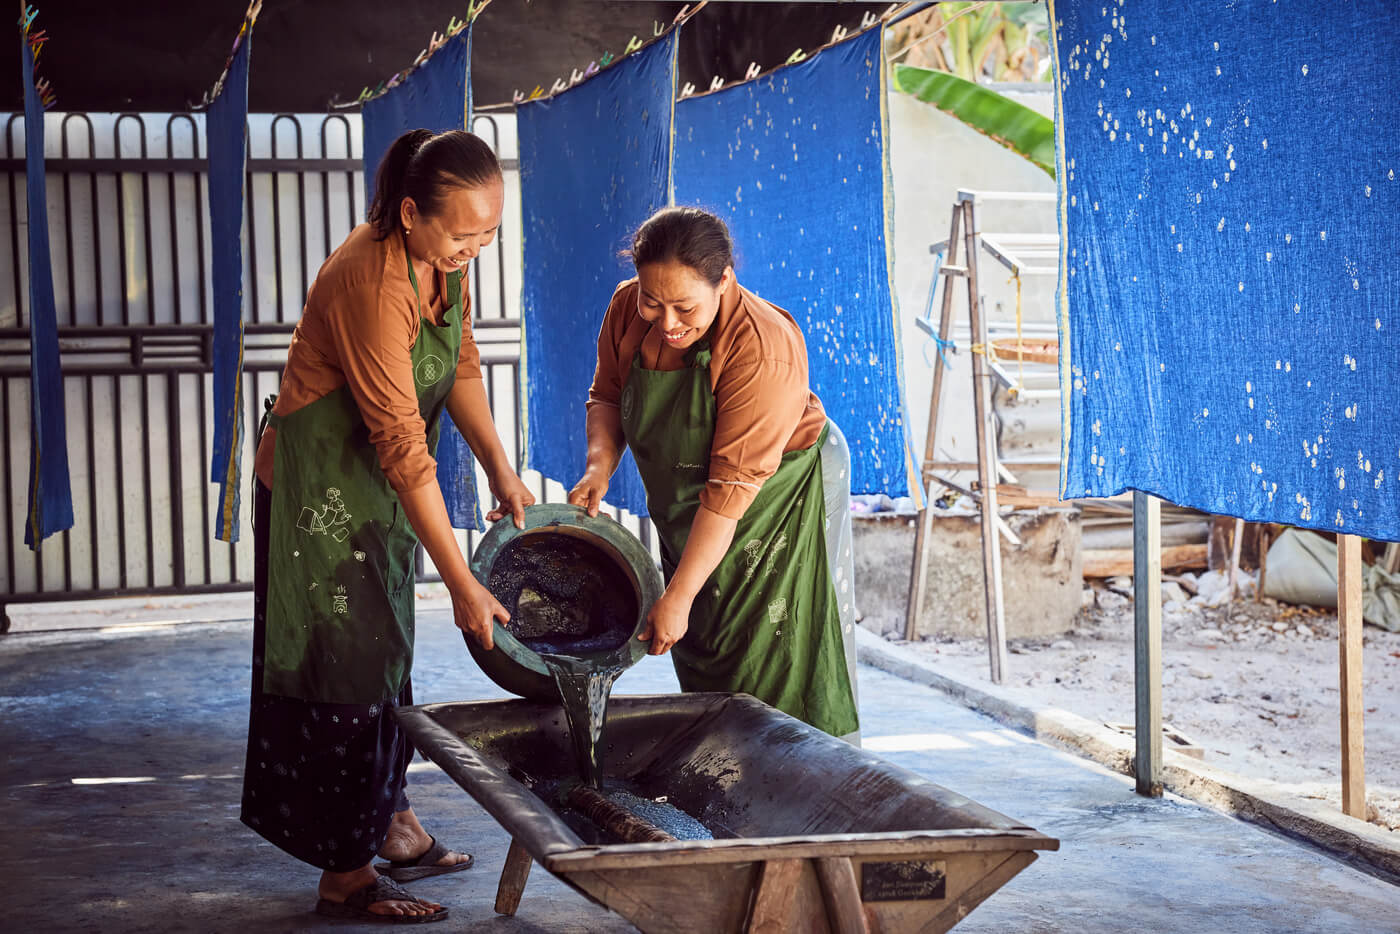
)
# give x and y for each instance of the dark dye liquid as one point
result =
(584, 690)
(569, 599)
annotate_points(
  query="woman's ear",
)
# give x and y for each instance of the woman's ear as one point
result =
(408, 213)
(726, 279)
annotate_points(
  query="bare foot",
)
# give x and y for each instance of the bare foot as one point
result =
(338, 886)
(408, 840)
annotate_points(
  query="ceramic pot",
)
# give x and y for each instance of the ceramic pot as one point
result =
(514, 665)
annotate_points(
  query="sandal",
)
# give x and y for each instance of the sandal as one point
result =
(356, 906)
(421, 867)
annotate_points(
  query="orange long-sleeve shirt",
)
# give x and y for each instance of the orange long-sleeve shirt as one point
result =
(358, 329)
(758, 373)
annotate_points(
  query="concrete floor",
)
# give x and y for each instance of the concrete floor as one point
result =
(121, 781)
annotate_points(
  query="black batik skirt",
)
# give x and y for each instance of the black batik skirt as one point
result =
(322, 781)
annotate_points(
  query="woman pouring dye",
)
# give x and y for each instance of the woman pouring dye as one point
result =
(747, 480)
(346, 489)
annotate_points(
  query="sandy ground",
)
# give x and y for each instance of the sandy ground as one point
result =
(1254, 684)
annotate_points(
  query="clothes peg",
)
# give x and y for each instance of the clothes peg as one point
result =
(688, 90)
(517, 97)
(537, 92)
(606, 60)
(26, 16)
(838, 34)
(453, 25)
(716, 83)
(685, 11)
(868, 19)
(657, 29)
(591, 70)
(753, 71)
(575, 76)
(558, 86)
(633, 45)
(795, 57)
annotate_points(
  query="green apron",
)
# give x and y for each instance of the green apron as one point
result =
(340, 550)
(766, 622)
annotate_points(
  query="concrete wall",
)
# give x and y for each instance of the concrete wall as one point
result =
(1041, 578)
(932, 156)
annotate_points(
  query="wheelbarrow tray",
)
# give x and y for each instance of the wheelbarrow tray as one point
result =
(812, 834)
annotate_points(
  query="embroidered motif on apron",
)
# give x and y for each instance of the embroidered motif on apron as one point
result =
(766, 622)
(340, 549)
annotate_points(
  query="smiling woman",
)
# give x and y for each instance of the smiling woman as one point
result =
(747, 480)
(346, 488)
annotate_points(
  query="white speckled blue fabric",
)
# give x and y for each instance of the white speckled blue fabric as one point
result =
(1230, 288)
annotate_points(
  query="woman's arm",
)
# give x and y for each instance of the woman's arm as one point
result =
(605, 444)
(471, 413)
(711, 534)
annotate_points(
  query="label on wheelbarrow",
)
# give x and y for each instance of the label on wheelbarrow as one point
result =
(910, 880)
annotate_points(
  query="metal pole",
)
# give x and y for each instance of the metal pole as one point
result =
(918, 576)
(1147, 641)
(986, 455)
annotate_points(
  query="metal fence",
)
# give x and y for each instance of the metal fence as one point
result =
(129, 233)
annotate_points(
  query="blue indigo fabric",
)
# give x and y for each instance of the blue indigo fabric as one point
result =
(50, 493)
(796, 164)
(226, 132)
(595, 162)
(1230, 292)
(437, 97)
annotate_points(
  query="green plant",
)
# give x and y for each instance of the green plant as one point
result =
(1005, 121)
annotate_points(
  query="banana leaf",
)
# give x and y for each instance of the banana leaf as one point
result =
(1013, 125)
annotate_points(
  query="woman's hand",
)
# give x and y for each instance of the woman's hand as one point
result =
(667, 622)
(588, 493)
(512, 496)
(475, 612)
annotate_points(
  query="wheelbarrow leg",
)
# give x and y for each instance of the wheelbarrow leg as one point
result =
(844, 911)
(513, 876)
(777, 890)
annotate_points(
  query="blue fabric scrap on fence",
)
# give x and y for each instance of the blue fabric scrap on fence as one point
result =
(1229, 296)
(595, 162)
(795, 162)
(226, 132)
(50, 492)
(437, 97)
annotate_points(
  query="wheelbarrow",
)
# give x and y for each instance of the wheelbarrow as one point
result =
(810, 834)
